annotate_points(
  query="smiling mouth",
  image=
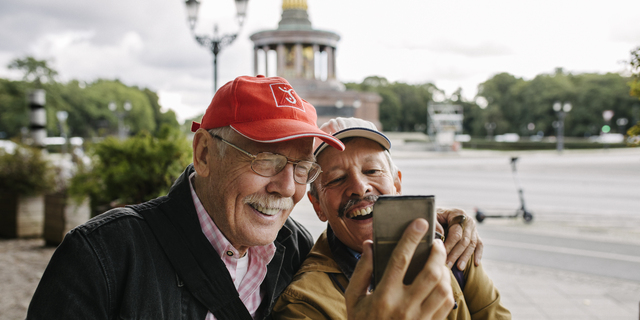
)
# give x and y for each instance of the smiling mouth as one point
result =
(361, 214)
(265, 211)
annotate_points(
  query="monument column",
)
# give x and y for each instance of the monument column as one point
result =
(298, 59)
(255, 60)
(316, 71)
(266, 60)
(280, 52)
(331, 64)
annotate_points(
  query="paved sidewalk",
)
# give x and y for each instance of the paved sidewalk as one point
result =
(542, 293)
(22, 262)
(532, 292)
(529, 292)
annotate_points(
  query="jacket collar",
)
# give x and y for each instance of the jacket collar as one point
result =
(344, 257)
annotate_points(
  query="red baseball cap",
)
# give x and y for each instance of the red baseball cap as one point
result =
(265, 110)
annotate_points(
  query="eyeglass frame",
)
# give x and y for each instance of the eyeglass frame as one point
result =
(294, 162)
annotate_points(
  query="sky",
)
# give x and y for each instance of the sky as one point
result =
(453, 44)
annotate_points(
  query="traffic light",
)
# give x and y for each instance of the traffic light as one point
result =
(606, 128)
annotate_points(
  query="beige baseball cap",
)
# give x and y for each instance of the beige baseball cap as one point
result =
(342, 128)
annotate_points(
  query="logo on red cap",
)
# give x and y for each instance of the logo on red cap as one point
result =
(285, 97)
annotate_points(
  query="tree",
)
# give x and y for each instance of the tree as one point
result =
(504, 108)
(161, 118)
(403, 106)
(36, 71)
(634, 84)
(14, 111)
(86, 104)
(634, 64)
(390, 106)
(513, 103)
(594, 94)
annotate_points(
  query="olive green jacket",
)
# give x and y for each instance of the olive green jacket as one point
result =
(313, 295)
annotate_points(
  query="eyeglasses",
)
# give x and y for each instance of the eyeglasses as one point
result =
(269, 164)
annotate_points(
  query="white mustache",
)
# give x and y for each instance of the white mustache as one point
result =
(269, 201)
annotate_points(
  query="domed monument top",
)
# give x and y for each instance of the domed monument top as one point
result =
(294, 4)
(306, 58)
(294, 15)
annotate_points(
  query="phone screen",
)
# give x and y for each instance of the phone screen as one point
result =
(391, 216)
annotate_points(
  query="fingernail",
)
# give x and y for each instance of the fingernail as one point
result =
(449, 264)
(420, 226)
(462, 265)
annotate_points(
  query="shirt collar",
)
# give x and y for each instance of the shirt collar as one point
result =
(219, 242)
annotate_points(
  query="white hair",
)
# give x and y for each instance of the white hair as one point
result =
(224, 133)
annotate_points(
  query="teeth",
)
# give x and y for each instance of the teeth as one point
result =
(267, 211)
(360, 212)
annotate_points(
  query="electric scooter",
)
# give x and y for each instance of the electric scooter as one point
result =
(526, 215)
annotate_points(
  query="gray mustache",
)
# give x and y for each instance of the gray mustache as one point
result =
(353, 202)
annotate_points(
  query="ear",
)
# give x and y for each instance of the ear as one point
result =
(397, 182)
(316, 206)
(202, 145)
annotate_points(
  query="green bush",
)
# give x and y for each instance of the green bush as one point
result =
(134, 170)
(634, 134)
(483, 144)
(25, 172)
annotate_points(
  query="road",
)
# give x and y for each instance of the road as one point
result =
(603, 258)
(586, 204)
(583, 182)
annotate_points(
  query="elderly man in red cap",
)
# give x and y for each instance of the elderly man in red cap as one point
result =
(220, 244)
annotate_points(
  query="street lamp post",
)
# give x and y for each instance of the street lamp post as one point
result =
(217, 42)
(62, 119)
(561, 110)
(490, 126)
(122, 130)
(622, 122)
(38, 117)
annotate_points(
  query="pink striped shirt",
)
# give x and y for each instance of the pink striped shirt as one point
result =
(259, 257)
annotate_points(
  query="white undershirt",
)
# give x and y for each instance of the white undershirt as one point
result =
(241, 269)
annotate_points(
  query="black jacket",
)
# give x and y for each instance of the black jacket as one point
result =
(152, 261)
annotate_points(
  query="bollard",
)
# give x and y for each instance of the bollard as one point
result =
(38, 117)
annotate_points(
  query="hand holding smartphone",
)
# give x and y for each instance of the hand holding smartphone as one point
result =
(391, 216)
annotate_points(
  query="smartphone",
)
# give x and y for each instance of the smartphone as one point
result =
(391, 216)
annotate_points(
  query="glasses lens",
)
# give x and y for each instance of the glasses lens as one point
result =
(301, 171)
(306, 172)
(268, 164)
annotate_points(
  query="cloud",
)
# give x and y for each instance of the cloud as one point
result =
(76, 53)
(461, 43)
(483, 49)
